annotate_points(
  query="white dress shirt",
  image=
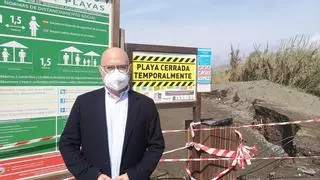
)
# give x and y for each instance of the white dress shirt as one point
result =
(116, 114)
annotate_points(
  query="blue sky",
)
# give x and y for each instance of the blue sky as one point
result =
(217, 24)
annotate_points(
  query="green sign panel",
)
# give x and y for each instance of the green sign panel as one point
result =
(49, 54)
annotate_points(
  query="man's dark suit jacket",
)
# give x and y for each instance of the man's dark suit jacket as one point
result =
(84, 141)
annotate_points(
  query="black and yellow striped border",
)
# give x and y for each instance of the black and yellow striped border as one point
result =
(163, 59)
(163, 83)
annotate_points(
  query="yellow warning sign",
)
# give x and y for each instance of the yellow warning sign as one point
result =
(162, 71)
(159, 70)
(165, 77)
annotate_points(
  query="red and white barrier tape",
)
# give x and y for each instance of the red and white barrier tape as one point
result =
(281, 123)
(192, 124)
(241, 157)
(229, 159)
(245, 153)
(174, 150)
(21, 143)
(189, 173)
(213, 151)
(243, 126)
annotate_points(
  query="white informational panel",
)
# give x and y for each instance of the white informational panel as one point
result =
(204, 72)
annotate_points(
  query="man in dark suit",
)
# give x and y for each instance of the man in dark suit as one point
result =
(112, 132)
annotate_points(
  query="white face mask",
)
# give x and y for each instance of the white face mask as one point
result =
(116, 80)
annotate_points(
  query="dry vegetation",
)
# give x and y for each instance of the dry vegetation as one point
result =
(296, 63)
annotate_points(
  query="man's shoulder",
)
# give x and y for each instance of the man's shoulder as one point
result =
(92, 94)
(142, 97)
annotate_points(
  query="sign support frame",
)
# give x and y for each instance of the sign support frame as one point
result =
(196, 105)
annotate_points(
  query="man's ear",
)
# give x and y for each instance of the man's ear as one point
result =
(130, 69)
(102, 73)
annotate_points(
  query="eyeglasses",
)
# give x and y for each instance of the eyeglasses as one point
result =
(123, 68)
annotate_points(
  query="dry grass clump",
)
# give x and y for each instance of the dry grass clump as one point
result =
(296, 63)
